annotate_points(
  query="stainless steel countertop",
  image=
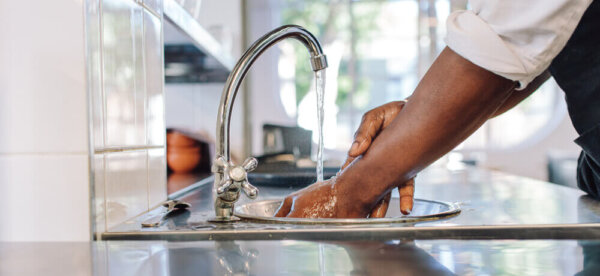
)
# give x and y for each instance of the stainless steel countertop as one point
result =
(494, 206)
(421, 257)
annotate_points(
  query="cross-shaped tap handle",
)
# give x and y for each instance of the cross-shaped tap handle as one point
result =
(234, 175)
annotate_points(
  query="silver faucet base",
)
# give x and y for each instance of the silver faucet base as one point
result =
(224, 219)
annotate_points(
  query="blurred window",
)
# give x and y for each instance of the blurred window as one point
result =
(377, 52)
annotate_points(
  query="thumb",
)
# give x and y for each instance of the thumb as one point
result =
(381, 208)
(285, 208)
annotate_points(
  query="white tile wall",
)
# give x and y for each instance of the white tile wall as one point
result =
(139, 74)
(44, 197)
(94, 70)
(99, 194)
(44, 160)
(42, 77)
(157, 177)
(124, 118)
(133, 103)
(155, 106)
(53, 55)
(126, 186)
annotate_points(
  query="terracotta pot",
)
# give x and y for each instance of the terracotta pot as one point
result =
(183, 159)
(178, 139)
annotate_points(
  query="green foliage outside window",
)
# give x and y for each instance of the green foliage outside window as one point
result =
(330, 21)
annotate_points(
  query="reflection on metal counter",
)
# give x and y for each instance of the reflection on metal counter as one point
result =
(405, 257)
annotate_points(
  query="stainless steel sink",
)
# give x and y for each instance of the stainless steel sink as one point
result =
(493, 205)
(263, 211)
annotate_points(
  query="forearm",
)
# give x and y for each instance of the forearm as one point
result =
(453, 99)
(518, 96)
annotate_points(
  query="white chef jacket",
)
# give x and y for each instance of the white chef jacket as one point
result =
(516, 39)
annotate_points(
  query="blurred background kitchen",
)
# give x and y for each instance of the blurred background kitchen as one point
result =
(111, 106)
(377, 51)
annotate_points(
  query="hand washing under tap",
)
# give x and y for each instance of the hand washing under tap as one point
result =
(230, 179)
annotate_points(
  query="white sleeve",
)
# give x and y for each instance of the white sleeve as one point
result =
(516, 39)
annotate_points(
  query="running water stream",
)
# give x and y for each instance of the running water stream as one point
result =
(320, 89)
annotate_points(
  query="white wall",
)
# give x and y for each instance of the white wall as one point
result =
(194, 107)
(126, 61)
(81, 107)
(264, 82)
(44, 170)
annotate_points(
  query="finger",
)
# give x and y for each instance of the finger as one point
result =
(391, 110)
(381, 208)
(285, 207)
(348, 161)
(369, 127)
(407, 192)
(372, 123)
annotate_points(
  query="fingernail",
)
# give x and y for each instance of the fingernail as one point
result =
(406, 211)
(354, 147)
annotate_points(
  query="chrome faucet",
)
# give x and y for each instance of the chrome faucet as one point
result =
(231, 178)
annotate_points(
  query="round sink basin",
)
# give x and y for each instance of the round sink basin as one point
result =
(264, 211)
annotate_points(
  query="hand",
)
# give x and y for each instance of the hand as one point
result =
(379, 258)
(373, 122)
(321, 200)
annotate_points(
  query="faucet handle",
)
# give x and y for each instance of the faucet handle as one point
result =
(250, 164)
(224, 186)
(249, 189)
(219, 165)
(240, 174)
(235, 175)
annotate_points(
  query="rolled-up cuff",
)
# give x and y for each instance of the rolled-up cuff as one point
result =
(471, 37)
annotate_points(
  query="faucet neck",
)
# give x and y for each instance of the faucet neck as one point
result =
(232, 85)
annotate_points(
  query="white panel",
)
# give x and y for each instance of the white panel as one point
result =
(44, 198)
(155, 112)
(99, 186)
(94, 70)
(43, 99)
(140, 74)
(206, 102)
(180, 106)
(123, 81)
(157, 176)
(126, 186)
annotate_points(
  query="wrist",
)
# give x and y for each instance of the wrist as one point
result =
(356, 195)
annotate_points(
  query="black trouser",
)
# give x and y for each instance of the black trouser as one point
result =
(577, 71)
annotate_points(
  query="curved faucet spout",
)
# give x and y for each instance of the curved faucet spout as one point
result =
(227, 187)
(318, 62)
